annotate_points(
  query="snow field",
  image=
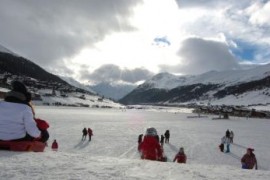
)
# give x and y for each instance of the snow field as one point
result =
(112, 153)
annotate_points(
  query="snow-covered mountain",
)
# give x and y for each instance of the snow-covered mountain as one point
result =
(77, 84)
(114, 90)
(241, 87)
(46, 88)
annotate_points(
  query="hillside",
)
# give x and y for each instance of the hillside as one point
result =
(212, 87)
(46, 88)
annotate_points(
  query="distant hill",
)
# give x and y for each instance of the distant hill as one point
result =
(229, 87)
(113, 90)
(46, 88)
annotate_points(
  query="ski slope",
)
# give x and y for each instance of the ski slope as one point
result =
(112, 153)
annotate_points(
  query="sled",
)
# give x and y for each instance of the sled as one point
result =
(34, 146)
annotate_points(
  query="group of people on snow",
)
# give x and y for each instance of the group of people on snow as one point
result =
(86, 132)
(226, 140)
(151, 148)
(248, 161)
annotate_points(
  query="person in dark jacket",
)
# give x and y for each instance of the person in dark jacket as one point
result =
(84, 131)
(161, 140)
(140, 138)
(167, 136)
(227, 133)
(249, 160)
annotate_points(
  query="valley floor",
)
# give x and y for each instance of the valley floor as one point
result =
(112, 153)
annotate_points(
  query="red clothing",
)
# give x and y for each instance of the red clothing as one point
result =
(42, 124)
(180, 157)
(90, 132)
(150, 148)
(249, 160)
(54, 145)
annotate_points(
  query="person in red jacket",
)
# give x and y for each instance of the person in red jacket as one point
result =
(90, 133)
(150, 148)
(54, 145)
(249, 160)
(180, 157)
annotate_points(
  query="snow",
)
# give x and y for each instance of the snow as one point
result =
(112, 153)
(232, 77)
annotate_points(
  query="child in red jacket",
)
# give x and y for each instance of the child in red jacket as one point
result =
(54, 145)
(180, 157)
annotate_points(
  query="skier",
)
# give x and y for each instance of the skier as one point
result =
(84, 131)
(150, 148)
(54, 145)
(249, 160)
(167, 136)
(161, 140)
(90, 133)
(180, 157)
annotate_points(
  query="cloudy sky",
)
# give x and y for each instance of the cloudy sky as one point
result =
(130, 40)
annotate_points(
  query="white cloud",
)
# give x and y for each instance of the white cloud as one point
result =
(259, 13)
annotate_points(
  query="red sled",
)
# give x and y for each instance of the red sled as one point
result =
(34, 146)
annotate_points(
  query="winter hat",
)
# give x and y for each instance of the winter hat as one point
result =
(250, 149)
(151, 131)
(18, 91)
(181, 149)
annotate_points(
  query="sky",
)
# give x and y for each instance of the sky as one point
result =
(131, 40)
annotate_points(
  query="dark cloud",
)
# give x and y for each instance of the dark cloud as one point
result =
(50, 30)
(199, 56)
(111, 73)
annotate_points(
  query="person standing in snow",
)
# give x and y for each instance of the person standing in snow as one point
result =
(55, 145)
(84, 131)
(227, 133)
(161, 140)
(150, 148)
(221, 146)
(249, 160)
(180, 157)
(17, 120)
(90, 133)
(167, 136)
(227, 141)
(140, 138)
(231, 136)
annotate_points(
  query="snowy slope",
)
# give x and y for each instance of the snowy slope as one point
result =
(77, 84)
(169, 81)
(112, 153)
(114, 90)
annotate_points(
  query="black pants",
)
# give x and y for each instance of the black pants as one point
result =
(44, 137)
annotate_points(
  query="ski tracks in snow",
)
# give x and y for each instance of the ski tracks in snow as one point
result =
(131, 153)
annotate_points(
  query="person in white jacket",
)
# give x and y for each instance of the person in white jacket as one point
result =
(16, 116)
